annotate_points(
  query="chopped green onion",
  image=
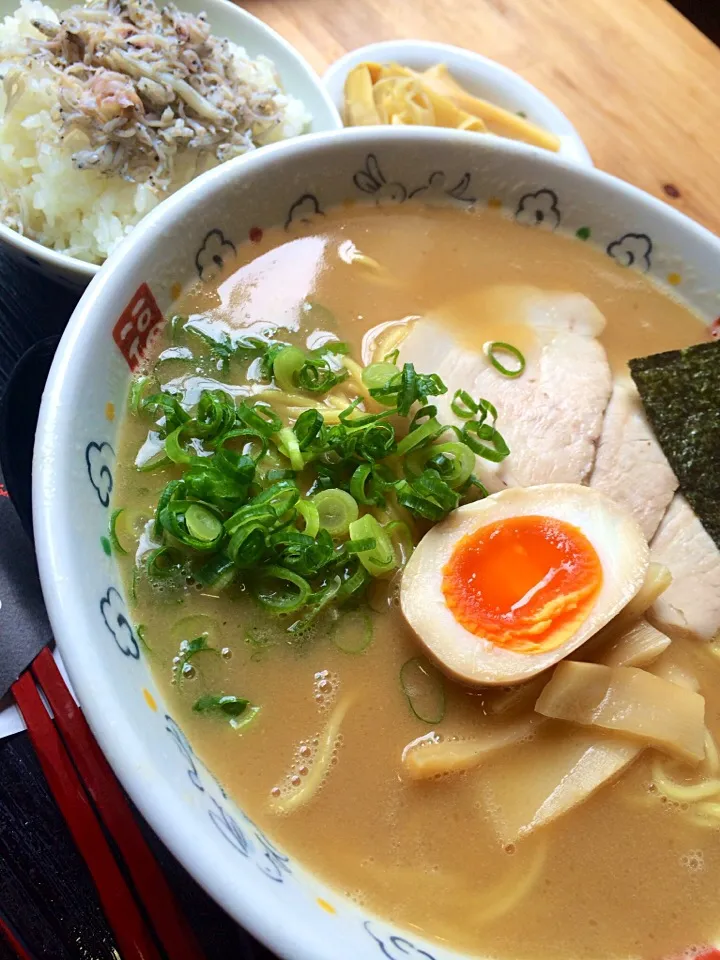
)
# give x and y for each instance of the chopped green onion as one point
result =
(307, 427)
(112, 532)
(160, 565)
(317, 376)
(288, 445)
(392, 357)
(378, 375)
(175, 322)
(261, 418)
(202, 524)
(402, 540)
(367, 485)
(311, 516)
(217, 573)
(463, 405)
(337, 511)
(380, 559)
(494, 347)
(174, 450)
(137, 392)
(320, 601)
(280, 497)
(287, 365)
(353, 632)
(473, 435)
(247, 545)
(189, 649)
(427, 496)
(156, 462)
(281, 590)
(175, 523)
(454, 462)
(429, 430)
(140, 631)
(239, 711)
(423, 686)
(354, 580)
(229, 705)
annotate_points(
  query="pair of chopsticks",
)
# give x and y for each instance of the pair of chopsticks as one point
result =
(90, 799)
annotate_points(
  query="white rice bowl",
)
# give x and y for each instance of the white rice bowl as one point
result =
(84, 213)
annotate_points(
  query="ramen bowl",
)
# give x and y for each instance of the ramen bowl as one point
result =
(290, 185)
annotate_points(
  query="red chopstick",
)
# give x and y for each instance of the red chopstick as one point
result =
(133, 938)
(8, 935)
(170, 923)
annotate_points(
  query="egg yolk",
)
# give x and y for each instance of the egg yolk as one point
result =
(524, 583)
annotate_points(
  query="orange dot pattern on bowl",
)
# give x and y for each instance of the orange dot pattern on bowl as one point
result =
(150, 700)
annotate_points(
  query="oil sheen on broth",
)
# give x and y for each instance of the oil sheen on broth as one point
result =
(623, 875)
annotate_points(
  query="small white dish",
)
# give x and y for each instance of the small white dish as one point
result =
(477, 74)
(227, 20)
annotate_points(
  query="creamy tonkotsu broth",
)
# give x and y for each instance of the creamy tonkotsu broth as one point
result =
(632, 871)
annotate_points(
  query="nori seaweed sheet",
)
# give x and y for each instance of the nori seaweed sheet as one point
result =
(680, 391)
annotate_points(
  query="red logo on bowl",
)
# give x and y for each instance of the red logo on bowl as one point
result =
(140, 322)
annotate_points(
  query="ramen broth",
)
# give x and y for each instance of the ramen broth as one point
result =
(626, 874)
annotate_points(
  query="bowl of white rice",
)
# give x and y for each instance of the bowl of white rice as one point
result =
(109, 107)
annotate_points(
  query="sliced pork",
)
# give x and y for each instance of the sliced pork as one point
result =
(551, 416)
(630, 466)
(692, 601)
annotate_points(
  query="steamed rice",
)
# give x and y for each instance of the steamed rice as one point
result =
(48, 196)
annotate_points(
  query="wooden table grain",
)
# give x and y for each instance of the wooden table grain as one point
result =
(641, 85)
(638, 80)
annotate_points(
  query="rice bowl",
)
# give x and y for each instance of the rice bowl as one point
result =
(57, 213)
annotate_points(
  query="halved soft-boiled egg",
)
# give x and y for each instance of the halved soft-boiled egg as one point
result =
(505, 587)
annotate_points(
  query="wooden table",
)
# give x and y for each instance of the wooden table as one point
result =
(641, 85)
(638, 80)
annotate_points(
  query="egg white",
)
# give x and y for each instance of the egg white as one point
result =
(618, 541)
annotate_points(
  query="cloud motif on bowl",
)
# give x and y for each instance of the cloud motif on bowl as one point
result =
(114, 613)
(370, 179)
(632, 250)
(183, 745)
(539, 209)
(98, 458)
(436, 187)
(303, 211)
(214, 251)
(397, 948)
(268, 859)
(229, 828)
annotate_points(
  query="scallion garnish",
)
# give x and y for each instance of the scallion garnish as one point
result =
(353, 633)
(287, 365)
(189, 649)
(423, 686)
(112, 532)
(237, 710)
(495, 347)
(284, 503)
(379, 559)
(337, 510)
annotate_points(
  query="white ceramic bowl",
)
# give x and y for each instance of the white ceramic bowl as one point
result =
(480, 76)
(227, 20)
(261, 887)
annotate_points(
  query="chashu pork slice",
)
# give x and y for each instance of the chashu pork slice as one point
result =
(630, 466)
(552, 415)
(691, 603)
